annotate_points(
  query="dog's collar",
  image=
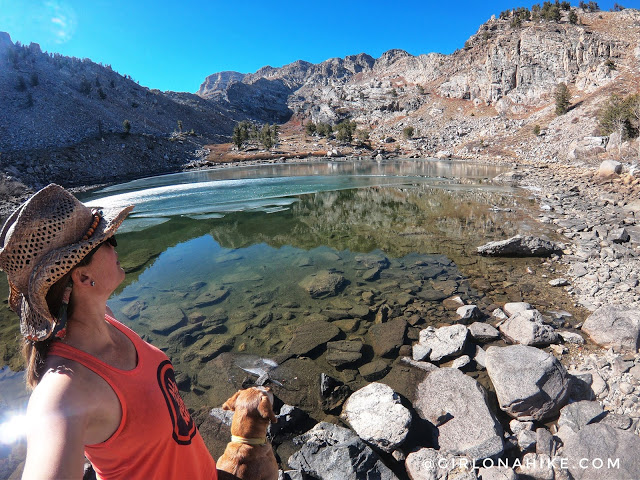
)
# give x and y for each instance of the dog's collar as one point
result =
(249, 441)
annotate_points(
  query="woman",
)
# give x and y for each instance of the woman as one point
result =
(98, 390)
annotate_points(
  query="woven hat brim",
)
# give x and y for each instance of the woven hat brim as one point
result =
(36, 321)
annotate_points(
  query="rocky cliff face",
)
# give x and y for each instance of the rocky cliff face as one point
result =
(524, 65)
(513, 69)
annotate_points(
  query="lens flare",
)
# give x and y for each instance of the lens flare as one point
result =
(13, 429)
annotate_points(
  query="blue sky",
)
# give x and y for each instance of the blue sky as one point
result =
(174, 45)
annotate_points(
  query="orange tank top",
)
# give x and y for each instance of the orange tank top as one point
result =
(157, 438)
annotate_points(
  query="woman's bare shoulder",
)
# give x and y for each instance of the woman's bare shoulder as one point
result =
(65, 385)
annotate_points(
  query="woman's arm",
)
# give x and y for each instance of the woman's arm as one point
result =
(57, 421)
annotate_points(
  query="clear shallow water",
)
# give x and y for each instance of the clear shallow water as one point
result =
(218, 262)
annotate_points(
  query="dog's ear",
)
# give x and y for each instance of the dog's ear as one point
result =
(231, 403)
(266, 410)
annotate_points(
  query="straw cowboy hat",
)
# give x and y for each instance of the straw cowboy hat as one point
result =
(40, 243)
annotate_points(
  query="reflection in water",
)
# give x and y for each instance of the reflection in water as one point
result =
(223, 267)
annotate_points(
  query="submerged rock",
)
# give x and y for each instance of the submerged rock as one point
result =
(386, 338)
(520, 246)
(311, 335)
(323, 284)
(343, 352)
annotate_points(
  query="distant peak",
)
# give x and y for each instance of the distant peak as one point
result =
(5, 39)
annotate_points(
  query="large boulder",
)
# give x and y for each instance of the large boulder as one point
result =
(430, 464)
(527, 328)
(444, 341)
(520, 246)
(598, 452)
(330, 452)
(456, 404)
(614, 326)
(378, 417)
(530, 384)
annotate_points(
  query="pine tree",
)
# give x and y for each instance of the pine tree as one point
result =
(562, 97)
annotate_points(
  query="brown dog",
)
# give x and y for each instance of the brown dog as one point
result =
(249, 455)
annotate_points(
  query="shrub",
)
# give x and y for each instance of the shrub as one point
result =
(310, 128)
(35, 81)
(362, 135)
(180, 126)
(573, 17)
(85, 86)
(101, 93)
(562, 97)
(621, 115)
(420, 89)
(536, 130)
(610, 64)
(21, 85)
(324, 129)
(617, 7)
(407, 132)
(126, 125)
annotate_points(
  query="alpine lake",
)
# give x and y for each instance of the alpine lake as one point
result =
(244, 274)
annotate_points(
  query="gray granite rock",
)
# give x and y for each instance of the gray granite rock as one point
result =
(483, 331)
(527, 328)
(520, 246)
(579, 414)
(614, 326)
(444, 341)
(512, 308)
(571, 337)
(598, 452)
(419, 352)
(496, 472)
(457, 405)
(378, 417)
(467, 313)
(330, 452)
(430, 464)
(530, 384)
(536, 466)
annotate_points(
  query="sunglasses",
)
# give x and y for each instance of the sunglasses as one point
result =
(111, 241)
